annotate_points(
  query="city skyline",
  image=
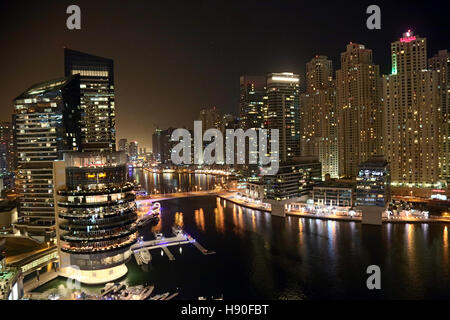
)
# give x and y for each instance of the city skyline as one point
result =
(196, 90)
(298, 151)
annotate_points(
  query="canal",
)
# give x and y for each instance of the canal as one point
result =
(263, 257)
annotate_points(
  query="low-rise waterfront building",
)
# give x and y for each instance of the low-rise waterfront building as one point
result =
(254, 190)
(373, 193)
(293, 182)
(334, 193)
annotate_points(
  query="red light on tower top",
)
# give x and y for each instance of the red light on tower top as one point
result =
(408, 36)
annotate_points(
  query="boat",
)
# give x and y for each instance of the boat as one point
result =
(147, 292)
(177, 230)
(135, 293)
(146, 219)
(157, 297)
(109, 287)
(145, 256)
(119, 286)
(156, 209)
(164, 296)
(171, 296)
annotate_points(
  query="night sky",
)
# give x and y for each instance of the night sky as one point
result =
(176, 57)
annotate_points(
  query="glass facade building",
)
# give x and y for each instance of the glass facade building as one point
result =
(334, 193)
(251, 101)
(97, 99)
(373, 183)
(46, 124)
(283, 112)
(293, 180)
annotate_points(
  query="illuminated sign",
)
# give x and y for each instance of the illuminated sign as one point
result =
(288, 79)
(408, 39)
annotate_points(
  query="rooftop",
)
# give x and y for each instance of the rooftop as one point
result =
(47, 86)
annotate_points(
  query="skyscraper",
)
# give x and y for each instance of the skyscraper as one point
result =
(46, 124)
(318, 115)
(123, 145)
(441, 64)
(7, 162)
(134, 150)
(97, 99)
(210, 118)
(411, 104)
(251, 101)
(358, 108)
(283, 112)
(6, 148)
(162, 145)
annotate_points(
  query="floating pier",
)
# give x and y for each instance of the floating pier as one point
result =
(142, 248)
(168, 253)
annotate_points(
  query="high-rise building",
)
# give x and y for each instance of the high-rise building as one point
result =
(46, 124)
(411, 106)
(358, 108)
(230, 122)
(133, 150)
(97, 99)
(96, 222)
(441, 64)
(162, 146)
(318, 116)
(6, 148)
(123, 145)
(156, 145)
(283, 112)
(210, 118)
(251, 101)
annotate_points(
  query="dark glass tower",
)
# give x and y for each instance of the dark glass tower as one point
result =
(283, 112)
(97, 99)
(251, 101)
(46, 124)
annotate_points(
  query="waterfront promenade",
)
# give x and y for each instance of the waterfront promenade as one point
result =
(231, 197)
(167, 196)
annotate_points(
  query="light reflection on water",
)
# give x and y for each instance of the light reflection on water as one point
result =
(265, 257)
(174, 182)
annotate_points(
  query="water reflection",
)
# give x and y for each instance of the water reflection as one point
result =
(174, 182)
(445, 246)
(263, 257)
(179, 219)
(200, 219)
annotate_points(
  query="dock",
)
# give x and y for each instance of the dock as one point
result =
(164, 243)
(168, 253)
(198, 245)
